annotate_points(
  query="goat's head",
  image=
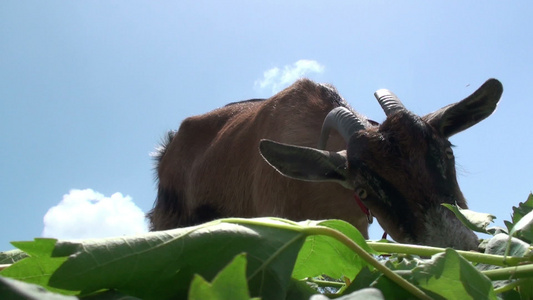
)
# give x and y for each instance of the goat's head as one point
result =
(402, 170)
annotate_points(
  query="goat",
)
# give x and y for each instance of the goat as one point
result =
(401, 170)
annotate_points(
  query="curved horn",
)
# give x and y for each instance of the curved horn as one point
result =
(344, 121)
(388, 101)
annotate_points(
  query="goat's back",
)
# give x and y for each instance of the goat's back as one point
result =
(212, 168)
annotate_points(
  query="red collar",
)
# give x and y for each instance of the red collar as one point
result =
(365, 210)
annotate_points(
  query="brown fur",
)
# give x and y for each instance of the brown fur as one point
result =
(397, 152)
(222, 171)
(212, 167)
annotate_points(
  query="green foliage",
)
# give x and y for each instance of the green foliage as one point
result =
(271, 258)
(14, 289)
(452, 277)
(39, 266)
(518, 213)
(12, 256)
(228, 284)
(322, 254)
(474, 220)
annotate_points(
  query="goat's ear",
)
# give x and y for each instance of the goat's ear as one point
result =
(305, 163)
(462, 115)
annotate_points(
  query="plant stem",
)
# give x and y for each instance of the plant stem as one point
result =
(279, 223)
(320, 230)
(509, 286)
(510, 272)
(326, 283)
(497, 260)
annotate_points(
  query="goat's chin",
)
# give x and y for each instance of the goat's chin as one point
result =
(443, 229)
(440, 228)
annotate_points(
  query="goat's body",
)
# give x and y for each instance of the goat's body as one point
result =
(260, 158)
(212, 168)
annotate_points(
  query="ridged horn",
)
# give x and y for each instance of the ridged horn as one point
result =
(344, 121)
(388, 101)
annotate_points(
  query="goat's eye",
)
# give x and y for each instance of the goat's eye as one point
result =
(361, 193)
(449, 152)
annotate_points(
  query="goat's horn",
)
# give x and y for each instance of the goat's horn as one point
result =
(344, 121)
(388, 101)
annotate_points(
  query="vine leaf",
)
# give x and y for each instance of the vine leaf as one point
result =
(473, 220)
(524, 232)
(230, 283)
(524, 226)
(325, 255)
(14, 289)
(451, 276)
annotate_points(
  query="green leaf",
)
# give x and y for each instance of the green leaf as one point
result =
(508, 224)
(162, 264)
(109, 295)
(323, 255)
(518, 213)
(523, 209)
(526, 289)
(390, 289)
(510, 295)
(364, 279)
(498, 244)
(497, 230)
(39, 266)
(299, 289)
(451, 276)
(525, 226)
(230, 283)
(403, 262)
(12, 256)
(473, 220)
(350, 231)
(366, 294)
(14, 289)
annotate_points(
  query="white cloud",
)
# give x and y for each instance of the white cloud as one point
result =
(279, 78)
(84, 214)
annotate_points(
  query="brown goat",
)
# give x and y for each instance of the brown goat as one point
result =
(402, 170)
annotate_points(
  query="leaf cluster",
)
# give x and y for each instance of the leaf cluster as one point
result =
(272, 258)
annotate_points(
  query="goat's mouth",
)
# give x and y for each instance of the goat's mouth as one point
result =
(435, 226)
(443, 229)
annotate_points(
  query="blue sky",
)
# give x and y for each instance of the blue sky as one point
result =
(89, 88)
